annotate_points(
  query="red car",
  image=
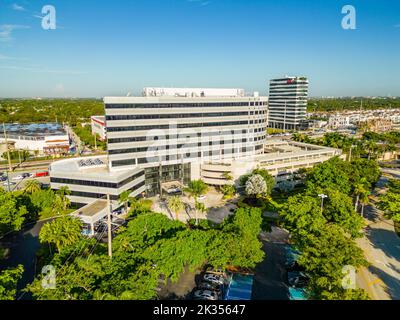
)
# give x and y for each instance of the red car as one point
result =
(42, 174)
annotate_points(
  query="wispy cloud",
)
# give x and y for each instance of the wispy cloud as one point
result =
(202, 3)
(4, 57)
(6, 31)
(397, 25)
(17, 7)
(43, 70)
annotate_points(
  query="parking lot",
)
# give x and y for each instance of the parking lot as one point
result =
(18, 180)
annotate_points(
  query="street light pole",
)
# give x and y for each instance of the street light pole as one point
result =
(322, 196)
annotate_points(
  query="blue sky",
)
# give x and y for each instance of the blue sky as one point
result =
(114, 47)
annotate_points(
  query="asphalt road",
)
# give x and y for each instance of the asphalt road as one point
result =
(22, 248)
(270, 275)
(381, 246)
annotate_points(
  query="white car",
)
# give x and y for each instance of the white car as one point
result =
(20, 177)
(213, 278)
(201, 198)
(6, 184)
(205, 295)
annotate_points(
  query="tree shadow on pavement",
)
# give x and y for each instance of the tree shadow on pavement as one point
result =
(392, 287)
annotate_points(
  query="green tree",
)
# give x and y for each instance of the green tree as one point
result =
(175, 205)
(32, 186)
(390, 201)
(61, 232)
(332, 174)
(12, 215)
(124, 199)
(324, 254)
(195, 189)
(8, 282)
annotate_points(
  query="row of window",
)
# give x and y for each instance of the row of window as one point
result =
(178, 146)
(184, 105)
(99, 184)
(174, 157)
(167, 137)
(181, 115)
(180, 126)
(100, 196)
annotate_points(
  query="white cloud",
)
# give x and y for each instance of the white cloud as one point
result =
(200, 2)
(17, 7)
(6, 31)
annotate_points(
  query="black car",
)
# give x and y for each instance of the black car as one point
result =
(26, 175)
(298, 279)
(294, 267)
(3, 178)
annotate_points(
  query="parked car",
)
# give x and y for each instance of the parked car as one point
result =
(9, 183)
(205, 295)
(291, 255)
(3, 178)
(294, 267)
(297, 279)
(201, 197)
(213, 278)
(19, 177)
(42, 174)
(119, 211)
(209, 286)
(217, 271)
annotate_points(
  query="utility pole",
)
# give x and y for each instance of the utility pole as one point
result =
(8, 150)
(95, 142)
(109, 227)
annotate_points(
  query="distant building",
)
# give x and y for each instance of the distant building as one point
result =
(98, 124)
(43, 139)
(3, 147)
(288, 99)
(376, 125)
(338, 121)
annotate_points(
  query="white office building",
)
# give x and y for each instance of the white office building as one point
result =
(161, 139)
(288, 98)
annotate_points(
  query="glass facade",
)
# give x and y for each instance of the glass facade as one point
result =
(156, 175)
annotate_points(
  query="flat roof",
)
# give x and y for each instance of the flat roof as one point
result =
(92, 209)
(35, 129)
(169, 99)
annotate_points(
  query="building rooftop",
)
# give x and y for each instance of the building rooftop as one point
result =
(35, 129)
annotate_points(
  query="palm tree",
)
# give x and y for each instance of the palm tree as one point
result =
(61, 201)
(199, 207)
(196, 189)
(32, 186)
(175, 205)
(227, 176)
(364, 200)
(359, 189)
(61, 232)
(371, 146)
